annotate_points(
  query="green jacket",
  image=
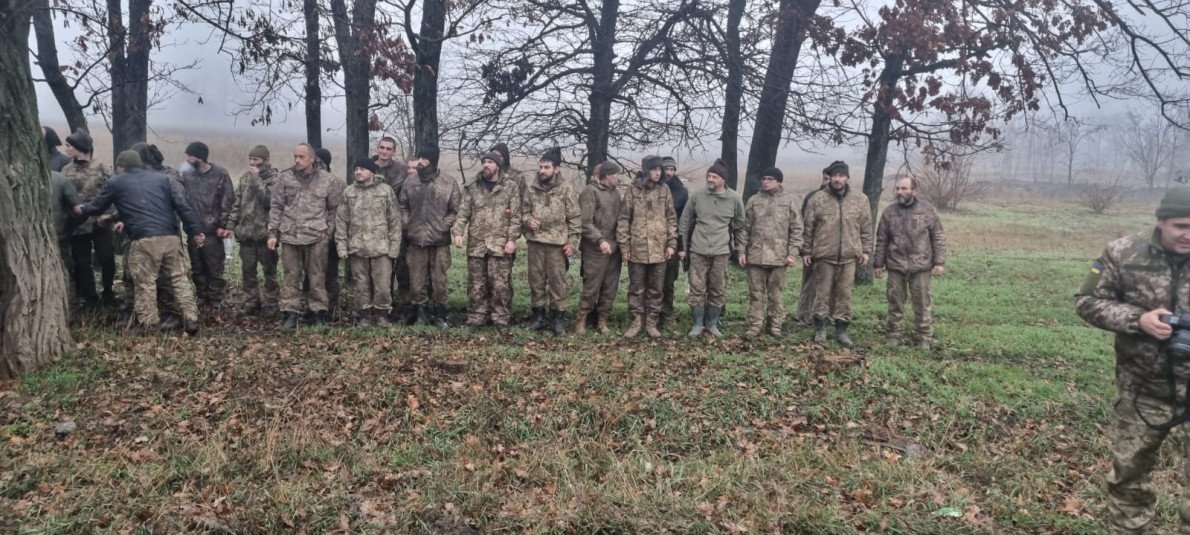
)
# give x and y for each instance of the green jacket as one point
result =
(772, 230)
(489, 218)
(599, 208)
(368, 223)
(838, 227)
(556, 208)
(710, 221)
(302, 206)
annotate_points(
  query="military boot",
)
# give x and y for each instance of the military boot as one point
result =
(775, 331)
(752, 332)
(291, 321)
(363, 318)
(421, 320)
(559, 323)
(634, 327)
(381, 319)
(190, 327)
(712, 321)
(819, 330)
(841, 334)
(697, 314)
(663, 321)
(601, 325)
(580, 322)
(171, 323)
(539, 323)
(651, 326)
(440, 317)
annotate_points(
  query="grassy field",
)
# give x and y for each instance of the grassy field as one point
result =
(246, 430)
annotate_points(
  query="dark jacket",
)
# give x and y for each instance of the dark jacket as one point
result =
(212, 197)
(909, 239)
(63, 198)
(147, 202)
(429, 207)
(680, 194)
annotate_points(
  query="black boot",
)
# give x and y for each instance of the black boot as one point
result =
(171, 323)
(559, 323)
(841, 334)
(291, 321)
(819, 330)
(539, 322)
(440, 317)
(422, 320)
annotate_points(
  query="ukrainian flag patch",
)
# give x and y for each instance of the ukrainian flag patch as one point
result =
(1096, 268)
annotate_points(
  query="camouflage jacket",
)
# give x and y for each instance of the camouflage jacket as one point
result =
(1135, 275)
(429, 209)
(909, 239)
(556, 208)
(211, 196)
(710, 221)
(772, 230)
(302, 206)
(838, 228)
(250, 214)
(599, 212)
(647, 223)
(87, 178)
(368, 223)
(489, 219)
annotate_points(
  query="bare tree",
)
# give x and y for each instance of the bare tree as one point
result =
(1103, 195)
(51, 68)
(1150, 142)
(1071, 136)
(946, 177)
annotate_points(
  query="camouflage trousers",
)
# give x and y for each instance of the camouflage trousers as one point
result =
(206, 268)
(427, 273)
(371, 280)
(708, 280)
(766, 287)
(672, 267)
(302, 262)
(805, 299)
(154, 257)
(1131, 498)
(833, 285)
(488, 291)
(644, 289)
(917, 287)
(103, 244)
(332, 272)
(165, 292)
(547, 276)
(253, 254)
(402, 283)
(601, 281)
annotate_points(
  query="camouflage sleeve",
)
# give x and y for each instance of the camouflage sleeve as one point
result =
(574, 223)
(233, 219)
(334, 198)
(671, 220)
(394, 226)
(514, 216)
(881, 252)
(808, 227)
(101, 201)
(746, 229)
(341, 226)
(526, 210)
(866, 230)
(277, 208)
(452, 205)
(459, 229)
(1099, 303)
(623, 235)
(227, 202)
(737, 223)
(795, 231)
(586, 205)
(938, 241)
(684, 224)
(403, 207)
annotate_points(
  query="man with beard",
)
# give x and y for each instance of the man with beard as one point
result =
(394, 172)
(714, 216)
(599, 214)
(677, 189)
(910, 245)
(211, 195)
(550, 215)
(805, 298)
(488, 225)
(771, 239)
(838, 237)
(92, 235)
(647, 235)
(250, 224)
(302, 217)
(429, 203)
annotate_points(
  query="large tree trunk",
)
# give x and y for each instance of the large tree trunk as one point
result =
(878, 140)
(129, 73)
(351, 33)
(735, 93)
(33, 328)
(603, 41)
(47, 58)
(313, 75)
(770, 112)
(425, 81)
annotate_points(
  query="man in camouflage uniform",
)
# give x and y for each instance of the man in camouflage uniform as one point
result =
(93, 235)
(550, 215)
(677, 189)
(838, 237)
(911, 246)
(368, 235)
(714, 216)
(805, 299)
(429, 204)
(302, 218)
(599, 214)
(647, 234)
(1129, 288)
(490, 222)
(250, 225)
(211, 195)
(770, 243)
(150, 205)
(394, 172)
(322, 160)
(171, 314)
(514, 175)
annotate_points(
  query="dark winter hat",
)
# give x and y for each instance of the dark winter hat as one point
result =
(494, 156)
(51, 138)
(323, 156)
(430, 153)
(1175, 202)
(503, 150)
(837, 167)
(198, 150)
(81, 141)
(149, 154)
(719, 168)
(669, 161)
(649, 162)
(608, 168)
(128, 159)
(554, 156)
(259, 151)
(368, 164)
(773, 172)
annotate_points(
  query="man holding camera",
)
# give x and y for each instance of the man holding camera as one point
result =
(1130, 291)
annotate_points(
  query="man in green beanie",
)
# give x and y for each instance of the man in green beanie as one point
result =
(250, 225)
(1128, 291)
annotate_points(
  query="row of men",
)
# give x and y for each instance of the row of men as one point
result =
(388, 216)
